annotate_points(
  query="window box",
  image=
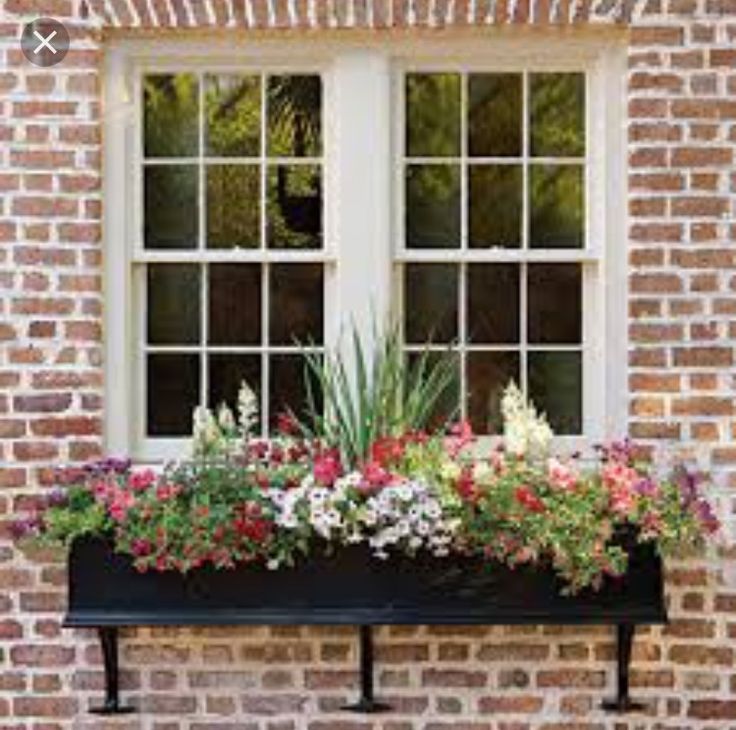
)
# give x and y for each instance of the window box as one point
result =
(351, 587)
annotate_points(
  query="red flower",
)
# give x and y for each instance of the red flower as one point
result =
(387, 450)
(286, 424)
(374, 475)
(461, 434)
(142, 480)
(526, 497)
(465, 485)
(327, 468)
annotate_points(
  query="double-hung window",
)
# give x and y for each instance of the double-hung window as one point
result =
(270, 200)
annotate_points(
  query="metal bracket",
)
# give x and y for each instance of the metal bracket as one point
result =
(366, 703)
(109, 643)
(622, 702)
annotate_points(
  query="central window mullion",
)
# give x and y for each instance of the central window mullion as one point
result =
(361, 175)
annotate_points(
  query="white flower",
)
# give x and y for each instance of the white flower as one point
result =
(525, 432)
(206, 435)
(247, 410)
(225, 419)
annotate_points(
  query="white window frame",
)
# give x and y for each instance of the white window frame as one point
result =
(360, 189)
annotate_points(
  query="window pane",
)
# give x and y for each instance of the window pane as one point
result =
(170, 115)
(297, 304)
(433, 115)
(173, 304)
(556, 200)
(233, 206)
(433, 206)
(494, 115)
(235, 304)
(287, 388)
(555, 306)
(488, 374)
(495, 206)
(448, 406)
(431, 302)
(294, 116)
(233, 112)
(226, 373)
(295, 206)
(555, 388)
(171, 206)
(172, 393)
(493, 303)
(557, 114)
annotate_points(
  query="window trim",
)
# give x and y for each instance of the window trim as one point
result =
(359, 76)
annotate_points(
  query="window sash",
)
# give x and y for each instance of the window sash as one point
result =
(354, 270)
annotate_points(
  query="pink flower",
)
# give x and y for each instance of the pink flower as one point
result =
(461, 434)
(327, 468)
(375, 476)
(621, 481)
(526, 497)
(167, 491)
(142, 480)
(121, 501)
(561, 475)
(140, 547)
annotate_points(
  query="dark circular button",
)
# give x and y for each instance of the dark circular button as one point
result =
(45, 42)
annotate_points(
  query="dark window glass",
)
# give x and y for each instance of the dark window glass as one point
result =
(555, 303)
(171, 205)
(495, 202)
(488, 374)
(433, 206)
(555, 388)
(172, 393)
(173, 310)
(297, 304)
(430, 303)
(493, 303)
(234, 304)
(226, 374)
(494, 115)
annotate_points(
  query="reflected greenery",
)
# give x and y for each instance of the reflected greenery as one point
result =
(233, 206)
(170, 115)
(494, 115)
(171, 218)
(557, 114)
(233, 114)
(557, 206)
(496, 206)
(433, 206)
(433, 115)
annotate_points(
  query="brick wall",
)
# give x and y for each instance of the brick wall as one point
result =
(682, 129)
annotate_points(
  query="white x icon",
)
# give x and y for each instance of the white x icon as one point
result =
(44, 42)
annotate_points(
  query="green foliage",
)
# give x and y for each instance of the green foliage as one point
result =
(365, 396)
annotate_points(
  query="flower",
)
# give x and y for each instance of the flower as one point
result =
(327, 468)
(526, 497)
(286, 424)
(525, 432)
(142, 480)
(247, 410)
(561, 475)
(387, 451)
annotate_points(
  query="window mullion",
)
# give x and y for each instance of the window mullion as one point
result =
(360, 170)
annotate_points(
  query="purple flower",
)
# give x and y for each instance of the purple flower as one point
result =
(24, 527)
(707, 517)
(646, 487)
(110, 465)
(688, 483)
(57, 498)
